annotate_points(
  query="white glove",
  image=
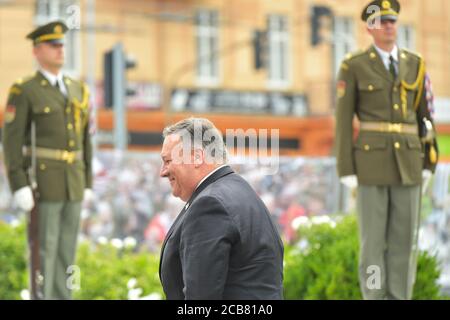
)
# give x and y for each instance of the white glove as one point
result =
(24, 198)
(350, 181)
(426, 177)
(88, 195)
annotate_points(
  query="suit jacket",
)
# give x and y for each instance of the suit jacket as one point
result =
(223, 245)
(367, 89)
(62, 123)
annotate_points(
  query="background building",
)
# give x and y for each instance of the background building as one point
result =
(198, 57)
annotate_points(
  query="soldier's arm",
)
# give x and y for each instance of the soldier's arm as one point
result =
(15, 128)
(425, 112)
(346, 95)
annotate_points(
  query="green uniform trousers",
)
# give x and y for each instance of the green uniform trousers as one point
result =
(388, 229)
(58, 229)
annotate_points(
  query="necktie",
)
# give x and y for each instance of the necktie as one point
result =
(57, 85)
(392, 67)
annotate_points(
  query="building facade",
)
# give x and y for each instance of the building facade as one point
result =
(198, 57)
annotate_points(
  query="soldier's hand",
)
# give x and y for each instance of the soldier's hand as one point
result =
(24, 198)
(350, 181)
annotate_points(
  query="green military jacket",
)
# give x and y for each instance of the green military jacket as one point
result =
(367, 90)
(61, 123)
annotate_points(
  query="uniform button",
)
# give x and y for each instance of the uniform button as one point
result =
(70, 126)
(72, 143)
(67, 110)
(367, 147)
(397, 145)
(47, 109)
(43, 83)
(370, 87)
(396, 107)
(395, 89)
(43, 167)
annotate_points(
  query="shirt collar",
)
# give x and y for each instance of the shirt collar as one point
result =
(209, 174)
(51, 77)
(385, 55)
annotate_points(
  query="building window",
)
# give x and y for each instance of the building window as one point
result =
(49, 10)
(343, 40)
(406, 37)
(278, 42)
(207, 40)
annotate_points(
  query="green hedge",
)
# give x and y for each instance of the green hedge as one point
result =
(104, 270)
(328, 267)
(325, 269)
(13, 277)
(444, 145)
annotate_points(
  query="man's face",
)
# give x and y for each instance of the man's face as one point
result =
(49, 55)
(384, 32)
(178, 167)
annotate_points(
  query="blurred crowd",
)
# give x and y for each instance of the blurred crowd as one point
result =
(131, 200)
(434, 233)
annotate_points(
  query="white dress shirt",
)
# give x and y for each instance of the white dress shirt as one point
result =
(209, 174)
(52, 79)
(385, 57)
(201, 181)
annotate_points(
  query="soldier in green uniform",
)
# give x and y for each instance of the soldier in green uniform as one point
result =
(47, 123)
(389, 91)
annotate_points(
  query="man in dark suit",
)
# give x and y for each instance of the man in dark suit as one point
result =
(223, 244)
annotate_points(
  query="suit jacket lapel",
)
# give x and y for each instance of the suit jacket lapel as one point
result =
(378, 65)
(211, 179)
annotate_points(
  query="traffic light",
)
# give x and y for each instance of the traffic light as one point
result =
(260, 49)
(116, 64)
(317, 15)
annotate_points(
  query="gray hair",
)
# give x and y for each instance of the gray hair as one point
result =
(200, 133)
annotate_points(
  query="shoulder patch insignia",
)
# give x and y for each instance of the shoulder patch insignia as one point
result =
(429, 95)
(341, 87)
(10, 113)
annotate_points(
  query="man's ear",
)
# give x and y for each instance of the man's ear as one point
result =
(36, 48)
